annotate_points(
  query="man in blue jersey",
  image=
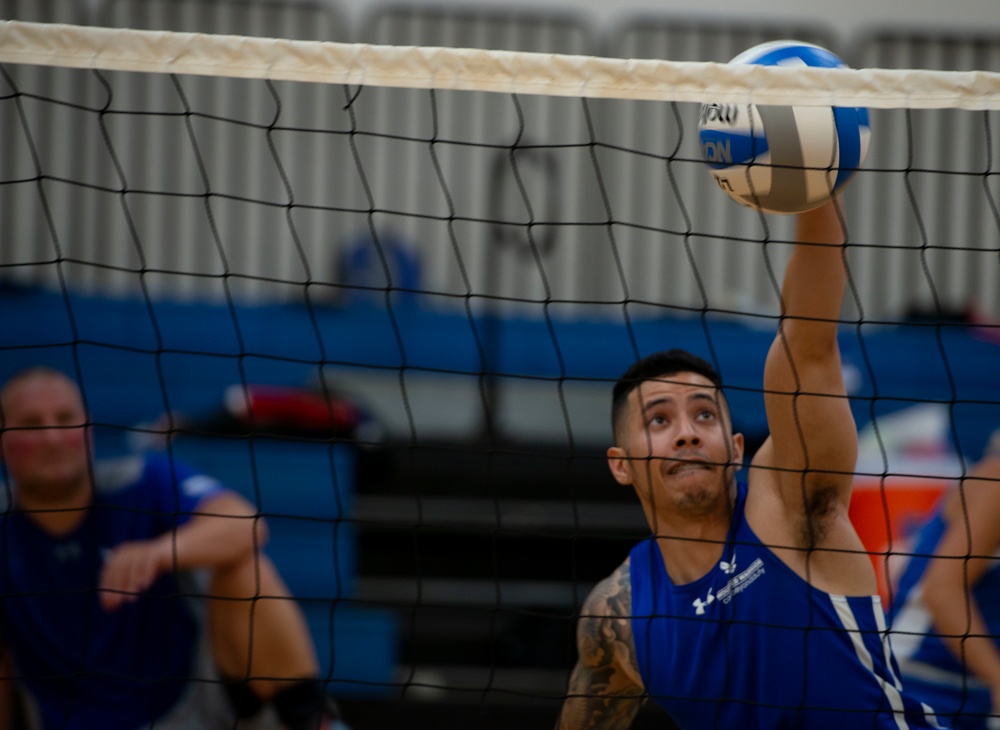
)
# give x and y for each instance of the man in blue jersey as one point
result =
(946, 614)
(100, 565)
(753, 605)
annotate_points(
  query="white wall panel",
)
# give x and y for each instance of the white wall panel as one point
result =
(471, 186)
(169, 183)
(932, 197)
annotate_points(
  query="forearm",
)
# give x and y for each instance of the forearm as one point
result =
(224, 531)
(960, 623)
(962, 558)
(589, 708)
(815, 279)
(809, 418)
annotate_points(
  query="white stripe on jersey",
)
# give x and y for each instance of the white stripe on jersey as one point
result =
(849, 622)
(883, 631)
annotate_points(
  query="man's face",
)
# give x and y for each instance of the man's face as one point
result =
(678, 444)
(46, 445)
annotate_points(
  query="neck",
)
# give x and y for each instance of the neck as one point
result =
(691, 552)
(58, 516)
(691, 545)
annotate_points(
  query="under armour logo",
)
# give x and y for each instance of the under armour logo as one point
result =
(699, 605)
(730, 567)
(67, 551)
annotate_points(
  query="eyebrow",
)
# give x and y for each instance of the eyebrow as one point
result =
(705, 396)
(653, 403)
(669, 399)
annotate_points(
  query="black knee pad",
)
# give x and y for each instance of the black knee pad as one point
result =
(244, 700)
(304, 706)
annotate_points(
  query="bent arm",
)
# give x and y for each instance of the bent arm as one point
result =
(813, 435)
(225, 529)
(963, 555)
(605, 691)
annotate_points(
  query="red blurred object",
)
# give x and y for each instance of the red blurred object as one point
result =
(886, 513)
(287, 408)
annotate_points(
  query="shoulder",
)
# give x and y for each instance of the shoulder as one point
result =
(606, 613)
(612, 597)
(114, 476)
(152, 474)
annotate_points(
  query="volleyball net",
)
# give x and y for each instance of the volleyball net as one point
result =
(465, 248)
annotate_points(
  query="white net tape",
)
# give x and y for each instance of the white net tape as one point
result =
(551, 74)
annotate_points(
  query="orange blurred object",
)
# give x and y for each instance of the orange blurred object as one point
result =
(886, 513)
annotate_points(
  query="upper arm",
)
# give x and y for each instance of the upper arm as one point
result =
(605, 689)
(223, 528)
(813, 447)
(184, 493)
(224, 503)
(231, 511)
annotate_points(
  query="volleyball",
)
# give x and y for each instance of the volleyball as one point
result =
(783, 159)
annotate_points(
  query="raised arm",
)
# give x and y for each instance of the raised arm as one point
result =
(813, 445)
(605, 691)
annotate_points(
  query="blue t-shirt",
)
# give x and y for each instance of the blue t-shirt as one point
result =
(927, 665)
(84, 667)
(752, 645)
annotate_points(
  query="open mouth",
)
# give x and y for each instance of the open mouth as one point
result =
(689, 465)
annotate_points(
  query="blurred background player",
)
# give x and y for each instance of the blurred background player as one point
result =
(946, 614)
(101, 565)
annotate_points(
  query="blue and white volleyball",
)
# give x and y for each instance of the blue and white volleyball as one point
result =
(783, 159)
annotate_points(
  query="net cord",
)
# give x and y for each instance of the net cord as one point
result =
(122, 49)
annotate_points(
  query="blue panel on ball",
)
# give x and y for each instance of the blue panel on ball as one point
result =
(810, 55)
(849, 141)
(722, 149)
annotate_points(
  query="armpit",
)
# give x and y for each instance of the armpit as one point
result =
(821, 509)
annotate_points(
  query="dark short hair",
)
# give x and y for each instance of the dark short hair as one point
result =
(657, 366)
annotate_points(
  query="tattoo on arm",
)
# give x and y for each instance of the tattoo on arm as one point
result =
(605, 689)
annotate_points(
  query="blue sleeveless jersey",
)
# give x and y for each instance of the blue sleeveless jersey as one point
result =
(752, 645)
(929, 669)
(83, 667)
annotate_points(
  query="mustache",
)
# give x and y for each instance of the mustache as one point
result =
(679, 461)
(693, 456)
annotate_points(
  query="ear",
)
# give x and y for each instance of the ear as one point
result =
(620, 465)
(739, 447)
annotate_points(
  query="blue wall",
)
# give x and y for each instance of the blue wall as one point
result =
(137, 360)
